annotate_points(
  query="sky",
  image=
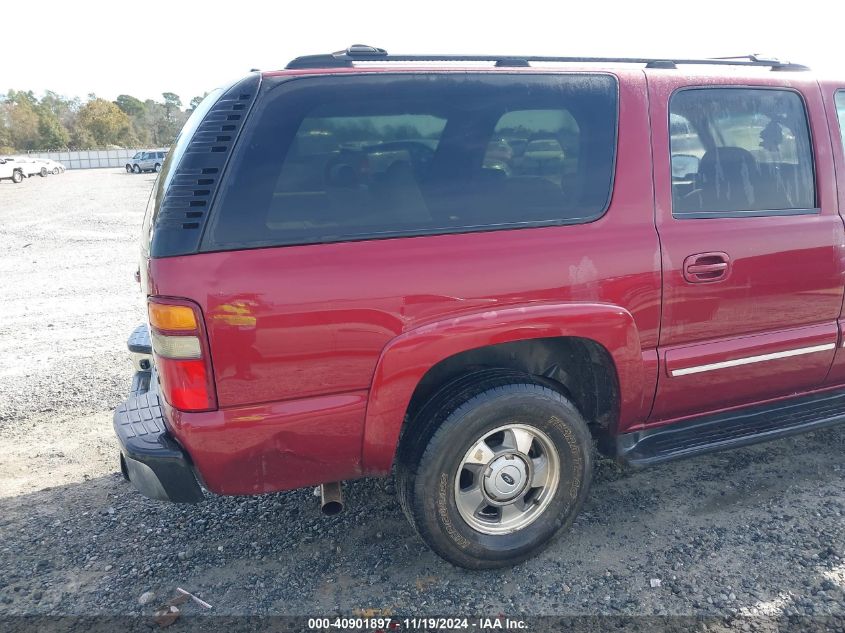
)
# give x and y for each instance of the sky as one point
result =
(152, 46)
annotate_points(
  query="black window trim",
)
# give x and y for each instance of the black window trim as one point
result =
(206, 245)
(757, 213)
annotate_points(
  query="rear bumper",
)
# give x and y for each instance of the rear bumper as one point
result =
(149, 456)
(256, 449)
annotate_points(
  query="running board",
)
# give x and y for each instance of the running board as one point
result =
(732, 429)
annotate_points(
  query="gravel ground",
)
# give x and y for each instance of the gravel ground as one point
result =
(735, 538)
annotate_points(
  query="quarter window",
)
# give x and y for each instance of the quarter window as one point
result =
(740, 151)
(351, 158)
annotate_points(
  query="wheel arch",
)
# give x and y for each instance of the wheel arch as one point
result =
(601, 339)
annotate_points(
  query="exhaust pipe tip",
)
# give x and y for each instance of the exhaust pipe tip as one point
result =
(331, 499)
(332, 508)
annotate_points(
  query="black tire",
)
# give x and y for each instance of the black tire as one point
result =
(452, 422)
(43, 172)
(17, 176)
(157, 168)
(136, 168)
(128, 168)
(55, 171)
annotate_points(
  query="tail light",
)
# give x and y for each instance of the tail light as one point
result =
(181, 354)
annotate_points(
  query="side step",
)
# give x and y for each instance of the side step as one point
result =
(139, 340)
(732, 429)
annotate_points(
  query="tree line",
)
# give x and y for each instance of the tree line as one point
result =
(54, 122)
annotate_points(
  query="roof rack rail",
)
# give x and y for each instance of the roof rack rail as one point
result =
(363, 53)
(761, 60)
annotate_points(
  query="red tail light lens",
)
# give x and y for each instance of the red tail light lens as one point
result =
(181, 354)
(185, 384)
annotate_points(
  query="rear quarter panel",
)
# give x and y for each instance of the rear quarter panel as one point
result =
(301, 322)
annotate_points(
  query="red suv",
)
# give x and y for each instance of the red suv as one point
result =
(473, 274)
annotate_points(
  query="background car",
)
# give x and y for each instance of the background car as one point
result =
(146, 161)
(28, 166)
(53, 167)
(9, 170)
(543, 149)
(130, 162)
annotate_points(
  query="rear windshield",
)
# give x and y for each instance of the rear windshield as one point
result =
(363, 157)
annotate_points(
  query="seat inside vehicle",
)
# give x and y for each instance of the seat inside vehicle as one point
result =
(728, 179)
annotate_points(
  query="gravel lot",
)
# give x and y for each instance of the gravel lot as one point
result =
(752, 532)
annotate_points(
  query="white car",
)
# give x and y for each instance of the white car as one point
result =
(28, 166)
(53, 167)
(10, 171)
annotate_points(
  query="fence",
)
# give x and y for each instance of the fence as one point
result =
(93, 158)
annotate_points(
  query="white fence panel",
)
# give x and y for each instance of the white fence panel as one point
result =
(93, 159)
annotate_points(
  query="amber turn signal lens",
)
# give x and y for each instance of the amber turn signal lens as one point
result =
(172, 317)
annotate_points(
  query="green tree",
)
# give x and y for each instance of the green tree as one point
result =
(80, 137)
(171, 100)
(154, 122)
(22, 120)
(173, 118)
(194, 103)
(21, 97)
(54, 121)
(52, 133)
(64, 109)
(130, 105)
(5, 138)
(164, 120)
(104, 123)
(136, 110)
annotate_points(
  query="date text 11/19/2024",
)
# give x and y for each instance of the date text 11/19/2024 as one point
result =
(383, 625)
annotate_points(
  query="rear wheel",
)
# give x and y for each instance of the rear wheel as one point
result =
(43, 172)
(17, 176)
(500, 463)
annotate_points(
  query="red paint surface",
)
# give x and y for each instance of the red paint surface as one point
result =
(837, 134)
(409, 356)
(691, 393)
(279, 446)
(785, 272)
(317, 349)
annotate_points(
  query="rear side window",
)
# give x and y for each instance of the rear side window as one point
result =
(350, 158)
(168, 170)
(740, 151)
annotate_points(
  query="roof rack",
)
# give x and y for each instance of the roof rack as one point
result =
(363, 53)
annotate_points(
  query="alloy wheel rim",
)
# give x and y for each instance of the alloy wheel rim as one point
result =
(507, 479)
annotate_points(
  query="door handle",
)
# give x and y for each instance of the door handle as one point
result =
(699, 269)
(703, 268)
